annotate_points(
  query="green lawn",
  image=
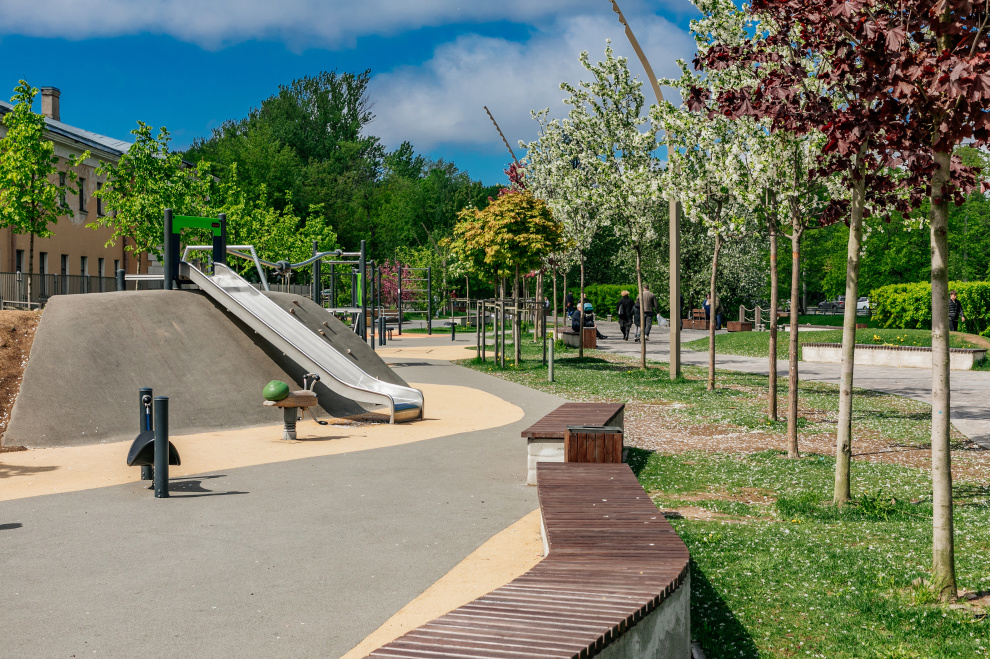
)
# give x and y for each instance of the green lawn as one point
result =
(757, 344)
(830, 320)
(780, 572)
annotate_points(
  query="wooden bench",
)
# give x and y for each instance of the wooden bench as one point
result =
(697, 320)
(615, 582)
(571, 337)
(739, 326)
(545, 438)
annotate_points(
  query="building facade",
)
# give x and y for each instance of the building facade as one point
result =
(74, 249)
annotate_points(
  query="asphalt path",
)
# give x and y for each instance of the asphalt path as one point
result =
(293, 559)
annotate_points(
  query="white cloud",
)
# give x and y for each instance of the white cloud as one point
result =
(441, 101)
(298, 23)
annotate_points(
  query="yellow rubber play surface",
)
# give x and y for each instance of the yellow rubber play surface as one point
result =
(449, 410)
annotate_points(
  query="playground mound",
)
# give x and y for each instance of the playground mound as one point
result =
(92, 353)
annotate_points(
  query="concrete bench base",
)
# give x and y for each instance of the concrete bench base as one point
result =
(900, 356)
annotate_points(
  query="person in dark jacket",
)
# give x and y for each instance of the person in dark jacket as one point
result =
(624, 311)
(955, 312)
(569, 304)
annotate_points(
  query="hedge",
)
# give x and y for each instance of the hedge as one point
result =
(909, 306)
(604, 297)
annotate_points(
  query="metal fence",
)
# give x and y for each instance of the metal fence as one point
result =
(15, 287)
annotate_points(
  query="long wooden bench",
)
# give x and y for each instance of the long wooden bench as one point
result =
(614, 583)
(545, 438)
(572, 338)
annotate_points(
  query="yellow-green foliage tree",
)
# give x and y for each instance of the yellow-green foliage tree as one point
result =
(511, 235)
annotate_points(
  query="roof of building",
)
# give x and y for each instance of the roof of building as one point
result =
(92, 140)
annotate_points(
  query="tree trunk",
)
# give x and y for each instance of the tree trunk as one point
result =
(580, 304)
(30, 267)
(516, 322)
(943, 550)
(774, 303)
(642, 313)
(711, 314)
(792, 372)
(843, 437)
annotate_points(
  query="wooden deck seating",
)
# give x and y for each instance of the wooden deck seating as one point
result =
(545, 438)
(614, 583)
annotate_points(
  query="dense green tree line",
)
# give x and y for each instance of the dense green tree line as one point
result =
(308, 148)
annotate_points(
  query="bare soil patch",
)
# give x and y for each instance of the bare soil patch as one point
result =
(17, 329)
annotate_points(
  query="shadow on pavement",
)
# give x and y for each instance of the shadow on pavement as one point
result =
(11, 526)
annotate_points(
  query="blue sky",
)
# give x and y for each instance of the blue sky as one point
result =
(191, 64)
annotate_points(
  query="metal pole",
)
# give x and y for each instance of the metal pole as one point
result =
(502, 333)
(550, 367)
(317, 276)
(145, 421)
(398, 304)
(121, 282)
(374, 304)
(220, 244)
(333, 285)
(170, 258)
(429, 300)
(161, 447)
(363, 292)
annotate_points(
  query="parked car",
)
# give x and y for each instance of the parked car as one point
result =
(838, 304)
(863, 304)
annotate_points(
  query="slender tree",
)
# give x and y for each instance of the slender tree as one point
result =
(557, 171)
(147, 179)
(32, 186)
(618, 146)
(907, 83)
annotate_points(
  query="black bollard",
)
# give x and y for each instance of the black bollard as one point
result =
(453, 330)
(161, 447)
(146, 423)
(121, 282)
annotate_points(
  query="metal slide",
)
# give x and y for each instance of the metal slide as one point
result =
(302, 345)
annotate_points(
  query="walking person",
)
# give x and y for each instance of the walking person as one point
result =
(707, 306)
(955, 312)
(635, 316)
(624, 310)
(719, 314)
(648, 301)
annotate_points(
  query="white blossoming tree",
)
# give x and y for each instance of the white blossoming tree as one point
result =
(619, 145)
(557, 172)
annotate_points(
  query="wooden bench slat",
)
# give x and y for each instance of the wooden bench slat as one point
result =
(613, 560)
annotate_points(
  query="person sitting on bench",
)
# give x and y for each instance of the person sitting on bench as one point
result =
(589, 320)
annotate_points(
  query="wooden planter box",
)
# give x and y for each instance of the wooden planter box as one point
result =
(736, 326)
(601, 444)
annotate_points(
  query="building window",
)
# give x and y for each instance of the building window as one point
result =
(65, 264)
(99, 268)
(43, 262)
(84, 265)
(61, 192)
(99, 200)
(19, 261)
(82, 195)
